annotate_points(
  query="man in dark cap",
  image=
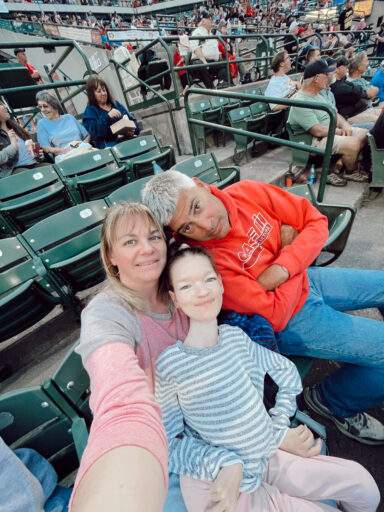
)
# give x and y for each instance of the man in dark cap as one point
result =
(347, 142)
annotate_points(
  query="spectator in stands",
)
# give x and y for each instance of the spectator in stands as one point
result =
(16, 146)
(380, 41)
(22, 58)
(312, 55)
(56, 131)
(357, 67)
(348, 141)
(178, 61)
(245, 77)
(205, 51)
(290, 42)
(102, 111)
(378, 81)
(280, 84)
(123, 331)
(346, 16)
(263, 240)
(351, 98)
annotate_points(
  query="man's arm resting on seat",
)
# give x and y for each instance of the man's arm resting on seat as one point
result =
(318, 130)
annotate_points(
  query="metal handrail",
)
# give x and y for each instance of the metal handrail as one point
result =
(119, 65)
(326, 153)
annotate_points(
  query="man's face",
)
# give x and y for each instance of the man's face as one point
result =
(321, 80)
(331, 77)
(207, 24)
(21, 57)
(287, 64)
(200, 215)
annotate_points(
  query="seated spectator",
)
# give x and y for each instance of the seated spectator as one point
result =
(380, 41)
(102, 111)
(16, 146)
(204, 51)
(245, 77)
(56, 131)
(178, 61)
(22, 58)
(280, 84)
(357, 67)
(290, 43)
(351, 99)
(378, 81)
(312, 55)
(348, 141)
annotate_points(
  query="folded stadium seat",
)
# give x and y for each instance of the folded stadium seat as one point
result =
(206, 168)
(299, 158)
(38, 423)
(68, 244)
(242, 118)
(30, 196)
(253, 90)
(226, 105)
(70, 385)
(377, 164)
(138, 153)
(27, 293)
(93, 175)
(129, 192)
(340, 220)
(204, 111)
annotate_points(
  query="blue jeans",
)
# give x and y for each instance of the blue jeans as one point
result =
(320, 329)
(174, 501)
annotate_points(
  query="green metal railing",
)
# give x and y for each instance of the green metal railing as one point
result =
(326, 153)
(160, 96)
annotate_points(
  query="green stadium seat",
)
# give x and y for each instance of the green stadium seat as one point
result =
(243, 119)
(68, 244)
(203, 111)
(226, 106)
(16, 75)
(25, 296)
(129, 192)
(137, 155)
(299, 158)
(93, 175)
(340, 220)
(377, 163)
(253, 90)
(206, 168)
(30, 196)
(41, 425)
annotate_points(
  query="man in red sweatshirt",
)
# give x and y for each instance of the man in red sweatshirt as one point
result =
(263, 240)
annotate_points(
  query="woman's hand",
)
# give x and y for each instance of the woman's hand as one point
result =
(225, 488)
(13, 139)
(114, 113)
(300, 441)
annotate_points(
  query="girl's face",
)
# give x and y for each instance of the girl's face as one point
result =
(197, 289)
(47, 110)
(4, 114)
(139, 252)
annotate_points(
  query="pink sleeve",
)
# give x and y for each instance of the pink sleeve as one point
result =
(124, 410)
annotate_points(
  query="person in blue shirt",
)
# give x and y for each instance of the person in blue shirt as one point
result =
(378, 81)
(102, 111)
(55, 132)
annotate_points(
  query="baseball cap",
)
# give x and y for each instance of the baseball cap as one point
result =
(342, 61)
(316, 68)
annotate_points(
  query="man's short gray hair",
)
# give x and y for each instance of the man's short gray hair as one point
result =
(50, 99)
(355, 62)
(161, 193)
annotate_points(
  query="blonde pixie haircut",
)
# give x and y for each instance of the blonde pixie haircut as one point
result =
(129, 211)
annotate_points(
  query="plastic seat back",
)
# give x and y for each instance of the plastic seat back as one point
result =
(93, 175)
(39, 424)
(30, 196)
(68, 244)
(377, 163)
(25, 297)
(299, 157)
(206, 168)
(134, 147)
(239, 114)
(258, 109)
(129, 192)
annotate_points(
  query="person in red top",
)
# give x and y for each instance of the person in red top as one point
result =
(22, 58)
(263, 240)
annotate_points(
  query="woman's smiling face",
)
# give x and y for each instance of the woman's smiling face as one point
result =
(47, 110)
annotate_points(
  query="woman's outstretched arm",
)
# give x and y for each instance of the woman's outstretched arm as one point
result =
(124, 466)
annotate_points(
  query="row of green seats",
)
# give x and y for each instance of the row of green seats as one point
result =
(31, 196)
(50, 262)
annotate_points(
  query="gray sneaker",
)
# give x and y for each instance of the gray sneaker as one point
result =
(362, 427)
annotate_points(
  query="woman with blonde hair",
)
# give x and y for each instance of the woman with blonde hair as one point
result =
(124, 328)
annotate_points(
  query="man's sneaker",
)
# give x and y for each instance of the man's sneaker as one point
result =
(362, 427)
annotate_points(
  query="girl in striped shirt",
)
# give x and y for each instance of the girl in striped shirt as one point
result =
(233, 454)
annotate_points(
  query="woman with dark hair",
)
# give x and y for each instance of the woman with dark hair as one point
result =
(16, 154)
(102, 111)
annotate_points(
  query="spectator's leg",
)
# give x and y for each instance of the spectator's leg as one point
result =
(202, 74)
(349, 149)
(321, 330)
